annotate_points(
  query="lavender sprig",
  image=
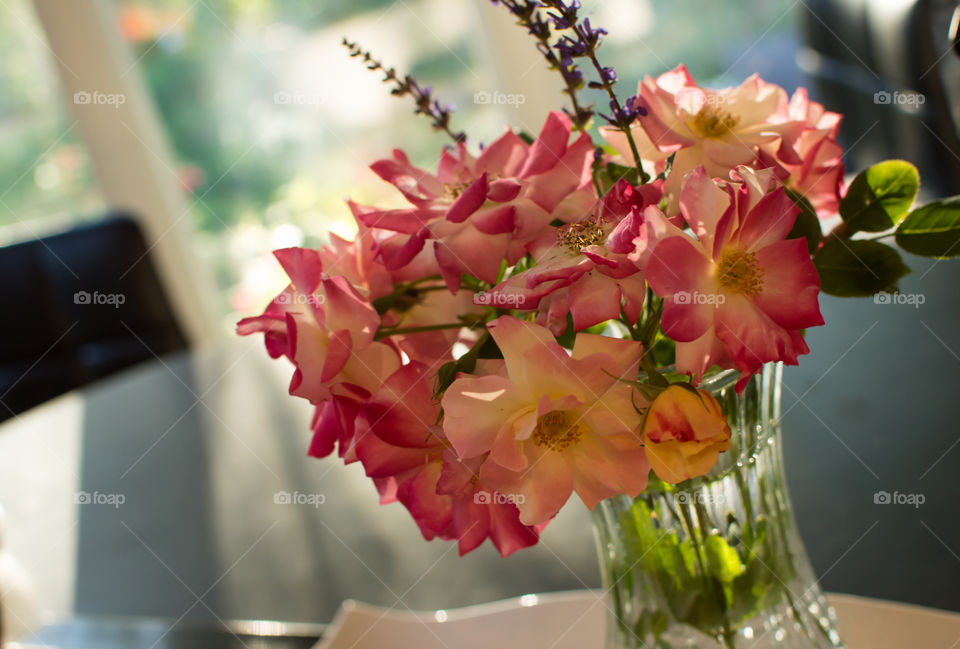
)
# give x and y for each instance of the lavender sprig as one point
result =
(528, 15)
(584, 42)
(423, 96)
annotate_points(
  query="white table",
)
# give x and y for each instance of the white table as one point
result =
(575, 620)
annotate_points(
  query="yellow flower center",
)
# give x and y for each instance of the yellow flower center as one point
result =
(557, 430)
(452, 192)
(739, 272)
(711, 121)
(577, 236)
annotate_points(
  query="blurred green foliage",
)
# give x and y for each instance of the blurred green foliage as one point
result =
(256, 170)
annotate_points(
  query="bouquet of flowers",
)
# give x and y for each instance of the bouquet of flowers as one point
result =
(538, 320)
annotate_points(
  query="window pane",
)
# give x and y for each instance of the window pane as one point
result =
(274, 125)
(720, 43)
(46, 179)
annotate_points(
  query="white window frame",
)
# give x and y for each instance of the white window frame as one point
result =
(129, 151)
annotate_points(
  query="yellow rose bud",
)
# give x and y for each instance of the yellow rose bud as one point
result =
(684, 433)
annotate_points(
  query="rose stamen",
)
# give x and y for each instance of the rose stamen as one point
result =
(739, 272)
(712, 122)
(452, 192)
(557, 430)
(577, 236)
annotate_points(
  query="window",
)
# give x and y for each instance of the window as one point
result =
(273, 125)
(46, 179)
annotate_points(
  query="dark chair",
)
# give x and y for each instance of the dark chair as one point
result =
(894, 71)
(78, 306)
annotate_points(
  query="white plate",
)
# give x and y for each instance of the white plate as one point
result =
(575, 620)
(572, 620)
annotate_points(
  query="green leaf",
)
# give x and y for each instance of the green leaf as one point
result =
(722, 560)
(569, 335)
(857, 268)
(807, 223)
(471, 283)
(647, 391)
(598, 329)
(758, 586)
(663, 351)
(651, 622)
(661, 551)
(932, 230)
(879, 197)
(668, 167)
(656, 379)
(612, 172)
(485, 347)
(445, 376)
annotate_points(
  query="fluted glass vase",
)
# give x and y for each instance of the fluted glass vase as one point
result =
(715, 562)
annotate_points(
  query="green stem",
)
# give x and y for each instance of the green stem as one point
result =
(596, 183)
(695, 543)
(747, 504)
(632, 329)
(608, 86)
(839, 232)
(422, 280)
(384, 333)
(652, 325)
(647, 333)
(617, 580)
(728, 637)
(666, 501)
(571, 91)
(778, 512)
(726, 634)
(426, 289)
(385, 302)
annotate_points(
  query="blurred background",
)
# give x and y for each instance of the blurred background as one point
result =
(267, 124)
(161, 149)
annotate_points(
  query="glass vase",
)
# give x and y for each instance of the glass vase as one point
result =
(715, 562)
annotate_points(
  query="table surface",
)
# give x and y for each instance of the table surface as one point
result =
(575, 620)
(198, 443)
(567, 620)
